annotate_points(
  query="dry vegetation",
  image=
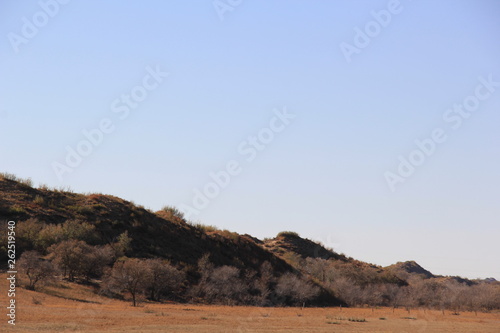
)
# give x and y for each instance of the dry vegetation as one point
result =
(84, 260)
(70, 307)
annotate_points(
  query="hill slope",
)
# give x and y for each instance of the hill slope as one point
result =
(287, 269)
(161, 234)
(411, 267)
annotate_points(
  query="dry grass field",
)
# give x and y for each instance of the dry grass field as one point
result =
(75, 308)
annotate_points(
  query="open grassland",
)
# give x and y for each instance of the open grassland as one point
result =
(76, 308)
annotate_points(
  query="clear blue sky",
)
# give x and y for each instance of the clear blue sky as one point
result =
(323, 175)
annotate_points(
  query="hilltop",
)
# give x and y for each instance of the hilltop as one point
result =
(411, 267)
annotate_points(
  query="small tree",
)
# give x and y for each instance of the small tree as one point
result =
(37, 270)
(163, 278)
(221, 284)
(69, 256)
(50, 234)
(95, 259)
(295, 289)
(262, 284)
(28, 232)
(80, 230)
(78, 259)
(348, 290)
(394, 295)
(129, 276)
(224, 285)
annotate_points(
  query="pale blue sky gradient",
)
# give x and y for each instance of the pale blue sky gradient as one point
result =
(324, 175)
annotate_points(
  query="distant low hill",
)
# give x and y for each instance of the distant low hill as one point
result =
(411, 267)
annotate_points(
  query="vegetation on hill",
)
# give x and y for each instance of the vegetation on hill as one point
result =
(94, 238)
(126, 251)
(403, 269)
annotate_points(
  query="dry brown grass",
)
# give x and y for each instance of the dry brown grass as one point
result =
(83, 311)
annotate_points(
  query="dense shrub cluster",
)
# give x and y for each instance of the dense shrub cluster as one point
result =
(229, 285)
(363, 286)
(75, 251)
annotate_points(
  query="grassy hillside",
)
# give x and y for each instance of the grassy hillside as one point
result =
(163, 234)
(213, 266)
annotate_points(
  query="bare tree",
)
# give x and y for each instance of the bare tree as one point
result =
(394, 295)
(317, 267)
(205, 267)
(409, 297)
(69, 255)
(28, 232)
(482, 297)
(224, 285)
(262, 284)
(295, 289)
(36, 269)
(78, 259)
(95, 259)
(347, 290)
(163, 278)
(129, 276)
(455, 295)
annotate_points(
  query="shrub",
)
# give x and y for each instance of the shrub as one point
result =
(79, 230)
(50, 234)
(230, 234)
(27, 182)
(43, 187)
(288, 234)
(294, 289)
(123, 244)
(219, 285)
(357, 320)
(9, 176)
(16, 209)
(83, 210)
(224, 286)
(95, 259)
(39, 200)
(68, 256)
(78, 259)
(28, 232)
(204, 227)
(162, 278)
(173, 214)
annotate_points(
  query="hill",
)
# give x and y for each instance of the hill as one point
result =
(411, 267)
(290, 242)
(163, 234)
(153, 234)
(107, 234)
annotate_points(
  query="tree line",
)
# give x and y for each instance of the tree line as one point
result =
(72, 251)
(365, 286)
